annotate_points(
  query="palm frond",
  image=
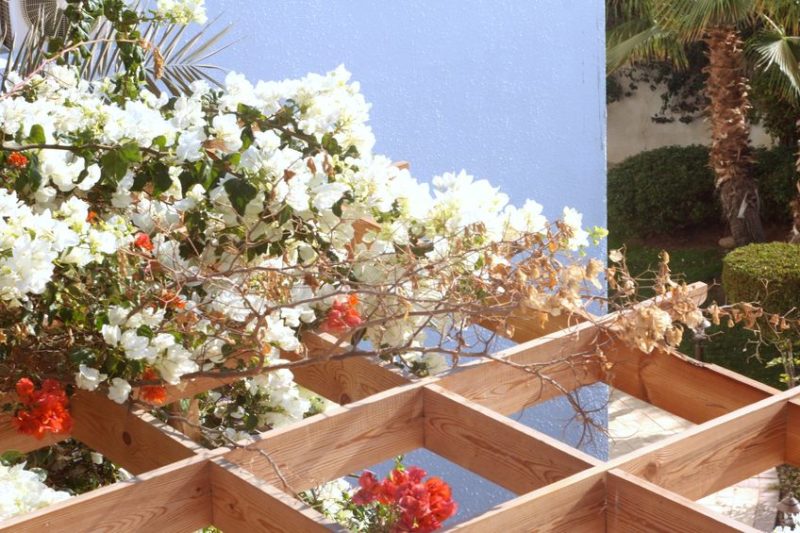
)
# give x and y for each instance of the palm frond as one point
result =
(636, 41)
(785, 13)
(185, 60)
(775, 49)
(689, 19)
(185, 64)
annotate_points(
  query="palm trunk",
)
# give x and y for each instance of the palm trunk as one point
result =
(730, 155)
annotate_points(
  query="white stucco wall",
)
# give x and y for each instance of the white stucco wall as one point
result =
(631, 130)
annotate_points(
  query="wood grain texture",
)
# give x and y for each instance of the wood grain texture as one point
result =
(176, 498)
(575, 504)
(695, 391)
(346, 380)
(123, 437)
(565, 356)
(338, 442)
(717, 454)
(636, 506)
(501, 450)
(792, 454)
(11, 439)
(573, 362)
(242, 502)
(525, 324)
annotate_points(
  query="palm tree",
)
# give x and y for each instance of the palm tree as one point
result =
(777, 54)
(661, 29)
(173, 59)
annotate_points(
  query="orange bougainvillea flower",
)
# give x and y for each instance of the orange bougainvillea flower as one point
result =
(142, 240)
(17, 160)
(43, 410)
(154, 394)
(343, 315)
(173, 300)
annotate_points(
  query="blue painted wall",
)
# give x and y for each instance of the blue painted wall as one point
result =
(511, 90)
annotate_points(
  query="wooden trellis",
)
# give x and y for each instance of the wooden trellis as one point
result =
(743, 428)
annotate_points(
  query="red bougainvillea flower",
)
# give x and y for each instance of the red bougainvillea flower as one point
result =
(154, 394)
(25, 388)
(420, 506)
(343, 315)
(43, 410)
(142, 240)
(371, 489)
(17, 160)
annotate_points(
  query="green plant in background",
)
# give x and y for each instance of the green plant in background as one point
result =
(671, 189)
(104, 38)
(662, 29)
(662, 191)
(768, 274)
(70, 465)
(638, 212)
(775, 171)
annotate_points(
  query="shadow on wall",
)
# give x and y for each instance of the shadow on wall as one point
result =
(631, 130)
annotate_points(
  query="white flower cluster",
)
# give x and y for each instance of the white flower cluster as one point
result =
(182, 11)
(160, 350)
(34, 240)
(23, 491)
(329, 499)
(298, 207)
(289, 402)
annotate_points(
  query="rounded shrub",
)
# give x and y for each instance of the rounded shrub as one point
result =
(661, 191)
(775, 171)
(768, 273)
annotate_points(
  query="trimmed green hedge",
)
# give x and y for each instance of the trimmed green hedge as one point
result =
(671, 189)
(768, 273)
(661, 191)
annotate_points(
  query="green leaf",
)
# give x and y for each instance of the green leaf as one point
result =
(285, 215)
(113, 165)
(160, 142)
(240, 193)
(161, 178)
(83, 356)
(145, 331)
(250, 422)
(130, 152)
(11, 457)
(37, 135)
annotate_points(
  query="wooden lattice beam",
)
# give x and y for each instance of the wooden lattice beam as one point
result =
(501, 450)
(175, 498)
(338, 442)
(744, 428)
(243, 502)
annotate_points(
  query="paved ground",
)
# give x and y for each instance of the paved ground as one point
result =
(633, 424)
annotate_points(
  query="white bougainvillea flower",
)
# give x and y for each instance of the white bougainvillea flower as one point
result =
(88, 378)
(119, 391)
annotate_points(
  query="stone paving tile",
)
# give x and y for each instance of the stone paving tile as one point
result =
(634, 424)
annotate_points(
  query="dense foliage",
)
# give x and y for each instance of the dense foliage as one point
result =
(669, 189)
(774, 169)
(662, 191)
(767, 273)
